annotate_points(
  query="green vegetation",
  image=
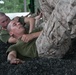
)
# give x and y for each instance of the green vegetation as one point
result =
(11, 6)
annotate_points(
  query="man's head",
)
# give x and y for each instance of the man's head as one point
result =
(15, 29)
(4, 20)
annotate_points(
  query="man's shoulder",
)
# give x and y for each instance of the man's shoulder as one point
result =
(4, 36)
(2, 31)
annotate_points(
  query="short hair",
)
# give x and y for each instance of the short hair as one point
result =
(9, 27)
(2, 14)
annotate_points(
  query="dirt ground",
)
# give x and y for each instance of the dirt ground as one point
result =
(40, 66)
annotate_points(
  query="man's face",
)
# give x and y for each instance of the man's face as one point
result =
(16, 28)
(4, 20)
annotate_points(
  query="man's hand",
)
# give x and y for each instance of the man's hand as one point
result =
(12, 58)
(27, 37)
(12, 40)
(16, 61)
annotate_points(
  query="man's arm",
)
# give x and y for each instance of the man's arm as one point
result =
(28, 37)
(12, 57)
(35, 35)
(31, 22)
